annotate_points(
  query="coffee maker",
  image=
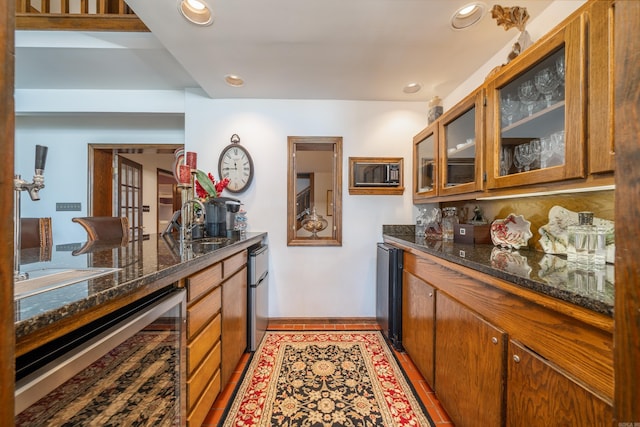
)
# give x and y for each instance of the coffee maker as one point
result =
(233, 206)
(220, 216)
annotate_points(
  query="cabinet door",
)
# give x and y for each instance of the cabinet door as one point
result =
(425, 158)
(418, 310)
(540, 395)
(461, 136)
(537, 113)
(601, 90)
(234, 323)
(470, 365)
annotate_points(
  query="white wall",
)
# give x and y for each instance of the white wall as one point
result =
(311, 281)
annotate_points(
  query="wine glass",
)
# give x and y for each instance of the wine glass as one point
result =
(560, 70)
(509, 106)
(506, 160)
(536, 149)
(557, 143)
(546, 81)
(546, 151)
(524, 155)
(528, 95)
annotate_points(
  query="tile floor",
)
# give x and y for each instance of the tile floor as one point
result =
(425, 393)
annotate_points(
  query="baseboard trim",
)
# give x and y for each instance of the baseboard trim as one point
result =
(322, 320)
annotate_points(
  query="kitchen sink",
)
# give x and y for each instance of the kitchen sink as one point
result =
(52, 278)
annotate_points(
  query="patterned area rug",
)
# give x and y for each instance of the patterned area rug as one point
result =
(326, 379)
(132, 385)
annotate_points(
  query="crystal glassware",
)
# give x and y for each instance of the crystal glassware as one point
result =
(560, 69)
(546, 151)
(547, 81)
(557, 144)
(524, 156)
(528, 95)
(506, 161)
(536, 149)
(509, 106)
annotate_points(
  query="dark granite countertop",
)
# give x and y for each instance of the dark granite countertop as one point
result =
(150, 262)
(544, 273)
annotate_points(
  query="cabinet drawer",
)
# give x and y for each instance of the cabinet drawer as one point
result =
(202, 376)
(202, 311)
(199, 283)
(202, 343)
(234, 263)
(198, 413)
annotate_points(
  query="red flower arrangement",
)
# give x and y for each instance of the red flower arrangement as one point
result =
(206, 186)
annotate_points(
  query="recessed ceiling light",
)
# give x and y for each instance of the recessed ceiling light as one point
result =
(234, 80)
(196, 11)
(412, 88)
(468, 15)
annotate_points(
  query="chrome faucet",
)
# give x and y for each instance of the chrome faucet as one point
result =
(33, 188)
(186, 226)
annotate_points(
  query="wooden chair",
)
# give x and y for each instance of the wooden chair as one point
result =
(105, 228)
(35, 233)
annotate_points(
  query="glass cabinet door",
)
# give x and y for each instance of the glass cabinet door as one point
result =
(460, 135)
(536, 118)
(425, 159)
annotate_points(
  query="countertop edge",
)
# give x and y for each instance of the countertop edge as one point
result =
(564, 295)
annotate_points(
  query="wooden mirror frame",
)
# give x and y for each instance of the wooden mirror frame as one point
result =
(308, 143)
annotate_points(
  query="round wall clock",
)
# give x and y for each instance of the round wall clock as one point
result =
(235, 163)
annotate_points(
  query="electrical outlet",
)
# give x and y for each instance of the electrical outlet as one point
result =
(68, 206)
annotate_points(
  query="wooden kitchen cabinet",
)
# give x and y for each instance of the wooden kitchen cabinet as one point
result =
(216, 331)
(418, 327)
(601, 86)
(470, 365)
(448, 155)
(425, 159)
(204, 304)
(537, 112)
(461, 145)
(538, 394)
(234, 314)
(561, 348)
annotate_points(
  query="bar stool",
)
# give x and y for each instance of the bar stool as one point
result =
(105, 228)
(35, 233)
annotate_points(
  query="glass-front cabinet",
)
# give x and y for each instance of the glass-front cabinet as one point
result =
(461, 141)
(425, 157)
(536, 116)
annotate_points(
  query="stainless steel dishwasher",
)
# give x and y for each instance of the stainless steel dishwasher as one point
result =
(258, 298)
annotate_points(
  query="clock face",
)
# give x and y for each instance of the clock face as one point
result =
(235, 163)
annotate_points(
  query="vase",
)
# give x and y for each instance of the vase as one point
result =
(216, 218)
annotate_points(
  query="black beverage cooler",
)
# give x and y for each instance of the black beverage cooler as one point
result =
(389, 293)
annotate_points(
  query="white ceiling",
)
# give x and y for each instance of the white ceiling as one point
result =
(287, 49)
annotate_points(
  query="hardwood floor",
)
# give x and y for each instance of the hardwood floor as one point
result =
(425, 393)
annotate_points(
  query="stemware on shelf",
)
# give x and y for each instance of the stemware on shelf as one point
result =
(528, 95)
(560, 70)
(524, 156)
(506, 161)
(536, 149)
(546, 81)
(509, 106)
(546, 151)
(557, 142)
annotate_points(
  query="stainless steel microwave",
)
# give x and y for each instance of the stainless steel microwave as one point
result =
(376, 174)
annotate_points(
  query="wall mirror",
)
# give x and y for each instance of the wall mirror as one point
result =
(314, 191)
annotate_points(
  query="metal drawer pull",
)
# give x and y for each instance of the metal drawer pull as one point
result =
(494, 340)
(516, 358)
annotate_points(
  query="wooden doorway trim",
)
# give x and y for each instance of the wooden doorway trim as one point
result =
(100, 200)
